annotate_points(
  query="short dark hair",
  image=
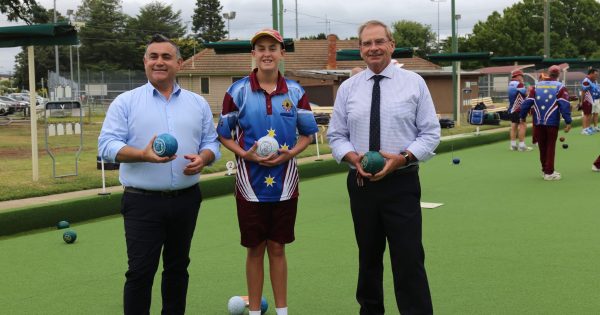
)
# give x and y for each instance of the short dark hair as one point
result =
(159, 38)
(592, 70)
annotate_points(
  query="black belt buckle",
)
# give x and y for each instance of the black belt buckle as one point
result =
(171, 193)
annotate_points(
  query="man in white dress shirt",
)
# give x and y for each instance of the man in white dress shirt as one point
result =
(404, 128)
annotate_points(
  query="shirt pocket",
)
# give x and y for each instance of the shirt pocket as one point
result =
(401, 110)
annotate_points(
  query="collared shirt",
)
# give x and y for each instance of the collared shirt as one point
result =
(251, 113)
(408, 118)
(134, 117)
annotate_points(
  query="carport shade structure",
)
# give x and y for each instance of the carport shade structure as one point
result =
(30, 36)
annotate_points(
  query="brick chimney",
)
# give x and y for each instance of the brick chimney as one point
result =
(331, 51)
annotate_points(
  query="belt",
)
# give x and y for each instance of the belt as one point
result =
(405, 170)
(161, 193)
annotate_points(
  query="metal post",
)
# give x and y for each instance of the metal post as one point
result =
(438, 21)
(296, 19)
(274, 14)
(33, 115)
(56, 46)
(280, 28)
(546, 28)
(71, 59)
(78, 77)
(454, 66)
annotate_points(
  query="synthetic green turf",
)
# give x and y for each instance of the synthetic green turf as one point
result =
(504, 242)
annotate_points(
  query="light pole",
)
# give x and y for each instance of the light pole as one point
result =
(438, 20)
(547, 28)
(229, 16)
(69, 14)
(457, 17)
(56, 46)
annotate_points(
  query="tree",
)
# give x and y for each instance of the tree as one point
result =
(187, 46)
(414, 34)
(319, 36)
(574, 30)
(155, 18)
(208, 25)
(106, 43)
(26, 10)
(45, 58)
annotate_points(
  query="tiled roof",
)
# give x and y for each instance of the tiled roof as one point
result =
(307, 55)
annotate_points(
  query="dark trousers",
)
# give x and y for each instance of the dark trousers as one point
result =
(390, 210)
(546, 136)
(155, 224)
(597, 162)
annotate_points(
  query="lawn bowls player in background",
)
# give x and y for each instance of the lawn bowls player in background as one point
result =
(386, 205)
(590, 103)
(266, 104)
(549, 100)
(516, 94)
(161, 200)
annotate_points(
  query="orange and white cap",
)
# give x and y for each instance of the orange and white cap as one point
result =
(267, 32)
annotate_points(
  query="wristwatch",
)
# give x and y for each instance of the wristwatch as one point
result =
(406, 157)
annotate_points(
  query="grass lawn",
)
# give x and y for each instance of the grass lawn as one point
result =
(504, 242)
(16, 166)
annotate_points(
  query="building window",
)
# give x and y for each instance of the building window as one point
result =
(234, 79)
(204, 86)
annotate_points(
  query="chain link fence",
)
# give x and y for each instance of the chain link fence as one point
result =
(95, 90)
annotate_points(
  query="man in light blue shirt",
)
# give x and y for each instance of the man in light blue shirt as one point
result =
(161, 198)
(387, 109)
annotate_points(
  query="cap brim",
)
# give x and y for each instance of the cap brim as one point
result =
(263, 34)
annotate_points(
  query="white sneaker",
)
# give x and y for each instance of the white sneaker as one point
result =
(553, 176)
(595, 169)
(596, 129)
(525, 149)
(586, 132)
(514, 148)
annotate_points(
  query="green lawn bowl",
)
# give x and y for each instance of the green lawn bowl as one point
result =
(372, 162)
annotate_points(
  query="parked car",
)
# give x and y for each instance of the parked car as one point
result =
(15, 105)
(5, 108)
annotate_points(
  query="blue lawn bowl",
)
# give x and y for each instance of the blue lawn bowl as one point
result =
(456, 161)
(69, 237)
(264, 306)
(62, 225)
(165, 145)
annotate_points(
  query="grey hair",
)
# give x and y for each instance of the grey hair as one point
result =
(361, 28)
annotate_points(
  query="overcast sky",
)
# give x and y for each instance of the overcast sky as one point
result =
(341, 17)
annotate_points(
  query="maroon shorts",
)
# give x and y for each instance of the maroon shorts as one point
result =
(586, 108)
(261, 221)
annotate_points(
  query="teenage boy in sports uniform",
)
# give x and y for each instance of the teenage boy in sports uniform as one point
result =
(266, 104)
